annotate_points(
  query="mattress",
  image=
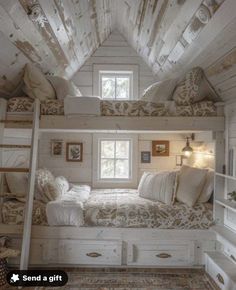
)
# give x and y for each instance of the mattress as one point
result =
(125, 209)
(118, 108)
(13, 212)
(119, 208)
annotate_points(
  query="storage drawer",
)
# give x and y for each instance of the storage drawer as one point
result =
(164, 253)
(89, 252)
(222, 270)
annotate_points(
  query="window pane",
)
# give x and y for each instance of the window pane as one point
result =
(107, 168)
(122, 169)
(122, 149)
(108, 87)
(107, 149)
(122, 89)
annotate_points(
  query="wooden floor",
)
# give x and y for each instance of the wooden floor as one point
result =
(140, 279)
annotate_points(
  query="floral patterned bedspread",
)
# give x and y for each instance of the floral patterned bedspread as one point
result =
(125, 209)
(122, 208)
(13, 213)
(117, 108)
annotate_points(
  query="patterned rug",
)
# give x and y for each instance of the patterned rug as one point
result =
(139, 279)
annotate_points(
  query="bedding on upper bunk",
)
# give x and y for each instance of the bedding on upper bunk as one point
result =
(120, 208)
(118, 108)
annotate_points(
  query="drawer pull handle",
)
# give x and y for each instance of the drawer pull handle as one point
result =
(93, 255)
(233, 258)
(220, 279)
(163, 256)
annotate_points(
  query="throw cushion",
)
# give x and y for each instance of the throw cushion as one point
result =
(158, 186)
(17, 183)
(64, 87)
(190, 184)
(43, 177)
(208, 187)
(36, 84)
(159, 91)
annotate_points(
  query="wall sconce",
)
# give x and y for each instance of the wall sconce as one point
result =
(188, 150)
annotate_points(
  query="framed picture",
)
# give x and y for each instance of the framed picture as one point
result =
(160, 148)
(74, 152)
(178, 160)
(145, 157)
(56, 147)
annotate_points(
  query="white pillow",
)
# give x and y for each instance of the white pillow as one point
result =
(36, 84)
(62, 184)
(17, 183)
(159, 91)
(64, 87)
(208, 187)
(190, 184)
(158, 186)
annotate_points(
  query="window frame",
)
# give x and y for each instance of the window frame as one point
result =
(115, 183)
(117, 74)
(129, 159)
(97, 68)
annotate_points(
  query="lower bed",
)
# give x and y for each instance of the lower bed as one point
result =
(121, 208)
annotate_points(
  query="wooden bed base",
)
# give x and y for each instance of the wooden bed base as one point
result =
(119, 247)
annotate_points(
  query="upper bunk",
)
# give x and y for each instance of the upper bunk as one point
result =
(92, 115)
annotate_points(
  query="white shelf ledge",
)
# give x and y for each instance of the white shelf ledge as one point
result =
(226, 203)
(225, 235)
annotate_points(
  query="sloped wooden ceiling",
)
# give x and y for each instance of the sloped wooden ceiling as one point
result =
(57, 35)
(170, 35)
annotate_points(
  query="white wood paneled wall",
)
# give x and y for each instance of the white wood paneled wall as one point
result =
(82, 171)
(114, 51)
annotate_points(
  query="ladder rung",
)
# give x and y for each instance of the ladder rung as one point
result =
(11, 169)
(14, 146)
(17, 121)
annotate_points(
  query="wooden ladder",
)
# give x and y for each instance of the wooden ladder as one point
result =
(25, 248)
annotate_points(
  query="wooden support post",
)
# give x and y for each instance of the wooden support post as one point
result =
(30, 198)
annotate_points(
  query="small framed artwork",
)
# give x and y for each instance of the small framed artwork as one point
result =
(160, 148)
(145, 157)
(74, 152)
(178, 160)
(56, 147)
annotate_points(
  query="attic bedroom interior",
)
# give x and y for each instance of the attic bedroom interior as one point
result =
(118, 144)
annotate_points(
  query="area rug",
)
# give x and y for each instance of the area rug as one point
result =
(139, 279)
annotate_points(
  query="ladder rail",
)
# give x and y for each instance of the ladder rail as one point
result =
(25, 249)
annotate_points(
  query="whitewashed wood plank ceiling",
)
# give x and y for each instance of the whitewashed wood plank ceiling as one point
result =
(170, 35)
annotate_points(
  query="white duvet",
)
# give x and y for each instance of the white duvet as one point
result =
(68, 211)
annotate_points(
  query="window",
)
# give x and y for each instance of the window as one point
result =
(116, 85)
(115, 159)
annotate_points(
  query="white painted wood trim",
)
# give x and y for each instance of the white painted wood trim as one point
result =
(30, 198)
(119, 124)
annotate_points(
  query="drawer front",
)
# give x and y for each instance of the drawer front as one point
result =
(218, 275)
(90, 252)
(163, 254)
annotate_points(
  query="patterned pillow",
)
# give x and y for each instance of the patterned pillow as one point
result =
(43, 178)
(188, 90)
(159, 91)
(205, 108)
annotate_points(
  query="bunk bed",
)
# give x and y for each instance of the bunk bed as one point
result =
(97, 244)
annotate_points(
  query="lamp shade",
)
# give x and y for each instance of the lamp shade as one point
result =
(187, 150)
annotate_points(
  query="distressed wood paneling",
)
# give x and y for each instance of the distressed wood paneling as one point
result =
(56, 35)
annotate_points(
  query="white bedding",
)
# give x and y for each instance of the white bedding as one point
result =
(82, 106)
(68, 211)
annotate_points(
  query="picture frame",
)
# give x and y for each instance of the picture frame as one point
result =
(56, 147)
(178, 160)
(160, 148)
(145, 157)
(74, 152)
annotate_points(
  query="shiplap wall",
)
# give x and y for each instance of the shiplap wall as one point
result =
(115, 50)
(82, 171)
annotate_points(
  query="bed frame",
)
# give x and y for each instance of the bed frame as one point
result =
(60, 246)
